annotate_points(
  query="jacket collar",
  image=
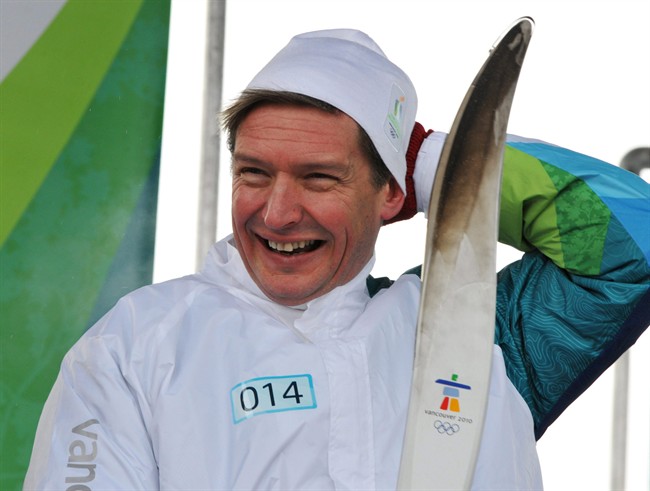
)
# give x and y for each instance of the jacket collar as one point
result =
(315, 320)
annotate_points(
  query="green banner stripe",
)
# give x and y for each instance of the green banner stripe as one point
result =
(46, 94)
(132, 263)
(60, 260)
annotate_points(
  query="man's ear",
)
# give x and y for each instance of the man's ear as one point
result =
(394, 200)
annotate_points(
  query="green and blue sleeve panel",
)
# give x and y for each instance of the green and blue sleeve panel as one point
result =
(580, 295)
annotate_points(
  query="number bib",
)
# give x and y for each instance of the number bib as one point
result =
(271, 395)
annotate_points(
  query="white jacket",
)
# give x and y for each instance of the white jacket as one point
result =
(203, 383)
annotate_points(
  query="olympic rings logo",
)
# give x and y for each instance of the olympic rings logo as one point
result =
(446, 427)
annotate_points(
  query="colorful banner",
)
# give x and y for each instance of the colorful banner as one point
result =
(81, 105)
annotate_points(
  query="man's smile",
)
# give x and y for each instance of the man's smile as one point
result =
(301, 246)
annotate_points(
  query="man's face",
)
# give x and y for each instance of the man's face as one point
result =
(305, 212)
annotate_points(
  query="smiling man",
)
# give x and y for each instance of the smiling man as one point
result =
(283, 364)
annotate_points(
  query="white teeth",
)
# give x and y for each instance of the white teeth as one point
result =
(289, 246)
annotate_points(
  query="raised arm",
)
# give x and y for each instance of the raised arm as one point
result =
(579, 297)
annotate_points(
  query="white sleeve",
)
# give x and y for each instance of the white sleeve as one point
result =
(92, 432)
(426, 165)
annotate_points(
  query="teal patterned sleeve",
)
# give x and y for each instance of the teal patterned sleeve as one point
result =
(580, 295)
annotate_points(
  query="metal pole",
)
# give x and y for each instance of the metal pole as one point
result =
(635, 160)
(619, 423)
(209, 175)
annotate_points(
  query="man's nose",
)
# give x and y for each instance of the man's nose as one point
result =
(283, 206)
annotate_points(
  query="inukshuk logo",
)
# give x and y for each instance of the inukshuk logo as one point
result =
(451, 393)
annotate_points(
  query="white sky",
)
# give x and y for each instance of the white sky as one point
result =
(584, 85)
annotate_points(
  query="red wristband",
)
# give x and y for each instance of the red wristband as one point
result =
(410, 207)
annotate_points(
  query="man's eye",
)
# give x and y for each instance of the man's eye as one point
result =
(252, 173)
(321, 182)
(252, 176)
(250, 170)
(318, 175)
